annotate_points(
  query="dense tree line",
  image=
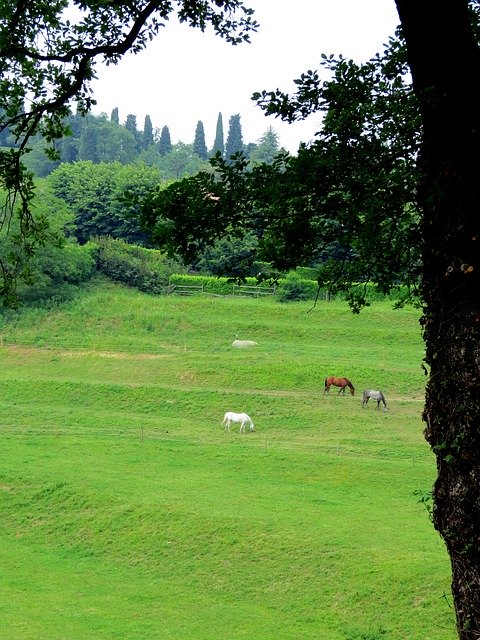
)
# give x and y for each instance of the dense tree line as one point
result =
(104, 198)
(117, 213)
(98, 139)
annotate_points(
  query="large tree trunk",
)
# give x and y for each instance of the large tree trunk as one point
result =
(445, 63)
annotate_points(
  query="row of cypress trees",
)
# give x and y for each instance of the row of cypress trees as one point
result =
(101, 139)
(233, 144)
(145, 138)
(85, 132)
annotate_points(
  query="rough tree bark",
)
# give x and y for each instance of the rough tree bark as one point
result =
(445, 63)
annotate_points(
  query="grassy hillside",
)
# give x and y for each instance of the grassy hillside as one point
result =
(127, 512)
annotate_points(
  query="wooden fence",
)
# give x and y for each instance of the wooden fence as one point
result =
(184, 289)
(237, 290)
(256, 292)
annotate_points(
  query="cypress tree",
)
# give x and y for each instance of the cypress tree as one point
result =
(234, 138)
(68, 149)
(165, 143)
(147, 136)
(114, 117)
(131, 125)
(219, 144)
(199, 146)
(76, 122)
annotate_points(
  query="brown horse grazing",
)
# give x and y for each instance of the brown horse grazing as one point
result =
(339, 382)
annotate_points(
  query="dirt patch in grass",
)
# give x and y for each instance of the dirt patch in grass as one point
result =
(70, 353)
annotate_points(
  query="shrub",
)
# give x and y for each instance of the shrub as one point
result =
(148, 270)
(307, 273)
(230, 257)
(294, 287)
(55, 269)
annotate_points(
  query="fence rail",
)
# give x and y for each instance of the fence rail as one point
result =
(237, 290)
(256, 292)
(184, 290)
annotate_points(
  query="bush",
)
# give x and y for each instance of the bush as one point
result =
(307, 273)
(230, 257)
(55, 269)
(148, 270)
(294, 287)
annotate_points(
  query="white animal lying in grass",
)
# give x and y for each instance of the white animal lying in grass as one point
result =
(244, 343)
(243, 418)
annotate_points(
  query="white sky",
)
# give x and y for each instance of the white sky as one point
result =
(185, 76)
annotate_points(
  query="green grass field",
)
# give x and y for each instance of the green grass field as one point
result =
(128, 513)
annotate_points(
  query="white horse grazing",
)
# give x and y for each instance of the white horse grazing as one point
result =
(375, 395)
(243, 418)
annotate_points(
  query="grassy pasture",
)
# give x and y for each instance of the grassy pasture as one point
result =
(128, 513)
